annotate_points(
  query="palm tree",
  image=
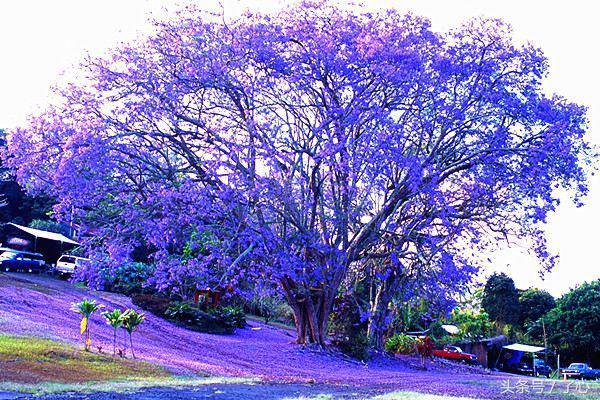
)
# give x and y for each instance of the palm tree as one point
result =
(86, 308)
(114, 319)
(130, 322)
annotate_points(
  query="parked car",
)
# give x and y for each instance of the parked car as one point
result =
(581, 371)
(67, 264)
(455, 353)
(16, 260)
(541, 368)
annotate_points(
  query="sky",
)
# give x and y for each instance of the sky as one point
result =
(40, 40)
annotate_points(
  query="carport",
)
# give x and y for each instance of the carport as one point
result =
(516, 353)
(50, 244)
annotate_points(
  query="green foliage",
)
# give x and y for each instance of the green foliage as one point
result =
(86, 308)
(232, 315)
(115, 319)
(130, 277)
(181, 311)
(534, 304)
(199, 244)
(31, 359)
(131, 320)
(50, 226)
(501, 300)
(574, 324)
(213, 320)
(472, 324)
(401, 344)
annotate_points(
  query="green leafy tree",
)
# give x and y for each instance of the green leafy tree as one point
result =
(534, 304)
(574, 324)
(114, 319)
(131, 321)
(501, 300)
(472, 324)
(50, 226)
(86, 308)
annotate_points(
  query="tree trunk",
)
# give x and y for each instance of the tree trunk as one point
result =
(115, 342)
(378, 314)
(131, 345)
(311, 313)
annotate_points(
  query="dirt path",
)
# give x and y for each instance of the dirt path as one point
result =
(40, 306)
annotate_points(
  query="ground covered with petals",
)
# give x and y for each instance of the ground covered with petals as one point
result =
(39, 306)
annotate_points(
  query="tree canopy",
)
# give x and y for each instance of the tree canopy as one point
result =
(534, 304)
(501, 299)
(291, 148)
(574, 325)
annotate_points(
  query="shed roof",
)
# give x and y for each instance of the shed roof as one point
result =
(57, 237)
(524, 347)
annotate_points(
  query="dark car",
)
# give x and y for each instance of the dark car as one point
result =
(16, 260)
(541, 368)
(581, 371)
(524, 369)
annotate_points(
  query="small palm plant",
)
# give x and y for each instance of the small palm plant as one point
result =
(114, 319)
(130, 322)
(86, 308)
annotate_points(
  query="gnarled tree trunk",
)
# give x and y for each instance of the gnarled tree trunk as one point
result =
(311, 307)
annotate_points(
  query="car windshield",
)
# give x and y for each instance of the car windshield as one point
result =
(577, 366)
(7, 255)
(67, 259)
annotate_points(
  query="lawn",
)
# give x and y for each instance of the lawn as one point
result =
(31, 360)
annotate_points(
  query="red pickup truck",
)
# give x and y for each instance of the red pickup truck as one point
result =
(455, 353)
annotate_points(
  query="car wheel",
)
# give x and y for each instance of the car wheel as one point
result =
(30, 270)
(7, 269)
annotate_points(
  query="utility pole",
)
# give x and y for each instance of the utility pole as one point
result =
(545, 342)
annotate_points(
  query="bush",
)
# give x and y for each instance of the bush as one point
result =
(221, 320)
(231, 315)
(181, 311)
(130, 278)
(401, 344)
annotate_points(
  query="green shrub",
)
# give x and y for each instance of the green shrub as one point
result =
(130, 278)
(181, 311)
(230, 315)
(222, 320)
(401, 344)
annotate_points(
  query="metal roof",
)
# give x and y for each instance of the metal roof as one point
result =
(44, 234)
(524, 347)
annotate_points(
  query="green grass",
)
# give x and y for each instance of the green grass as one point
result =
(118, 386)
(29, 360)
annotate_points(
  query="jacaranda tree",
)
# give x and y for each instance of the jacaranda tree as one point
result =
(301, 144)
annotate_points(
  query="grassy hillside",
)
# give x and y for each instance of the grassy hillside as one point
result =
(33, 360)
